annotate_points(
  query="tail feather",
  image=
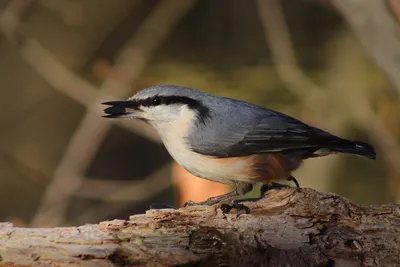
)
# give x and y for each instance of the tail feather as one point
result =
(354, 147)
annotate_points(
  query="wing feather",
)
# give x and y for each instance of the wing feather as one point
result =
(277, 134)
(235, 132)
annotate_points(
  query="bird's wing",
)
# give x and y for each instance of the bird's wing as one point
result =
(276, 133)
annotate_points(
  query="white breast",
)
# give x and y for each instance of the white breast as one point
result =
(219, 170)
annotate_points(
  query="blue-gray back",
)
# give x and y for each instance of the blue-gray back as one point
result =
(237, 128)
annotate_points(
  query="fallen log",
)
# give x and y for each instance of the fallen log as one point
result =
(288, 227)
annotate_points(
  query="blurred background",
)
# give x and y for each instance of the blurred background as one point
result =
(333, 64)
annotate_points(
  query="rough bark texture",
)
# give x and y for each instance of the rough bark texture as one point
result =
(288, 227)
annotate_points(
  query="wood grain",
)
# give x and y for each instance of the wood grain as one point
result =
(288, 227)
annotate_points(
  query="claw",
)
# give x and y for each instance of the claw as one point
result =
(226, 208)
(294, 180)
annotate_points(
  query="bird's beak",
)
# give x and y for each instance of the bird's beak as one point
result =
(120, 109)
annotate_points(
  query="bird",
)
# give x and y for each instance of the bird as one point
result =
(227, 140)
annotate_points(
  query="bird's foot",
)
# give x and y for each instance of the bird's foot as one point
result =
(266, 187)
(237, 205)
(241, 189)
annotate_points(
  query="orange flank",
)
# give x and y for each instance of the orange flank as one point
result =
(189, 187)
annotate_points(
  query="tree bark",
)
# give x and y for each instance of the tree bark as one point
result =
(288, 227)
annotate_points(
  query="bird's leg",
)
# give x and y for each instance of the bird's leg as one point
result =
(291, 178)
(241, 189)
(235, 204)
(212, 200)
(226, 208)
(266, 187)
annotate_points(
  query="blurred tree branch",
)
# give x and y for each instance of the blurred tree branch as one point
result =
(118, 196)
(111, 190)
(10, 19)
(311, 96)
(288, 227)
(317, 99)
(362, 113)
(70, 84)
(377, 31)
(278, 37)
(51, 69)
(130, 62)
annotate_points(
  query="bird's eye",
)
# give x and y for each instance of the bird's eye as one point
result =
(156, 100)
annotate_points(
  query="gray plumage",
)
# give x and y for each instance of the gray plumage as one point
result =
(234, 128)
(227, 140)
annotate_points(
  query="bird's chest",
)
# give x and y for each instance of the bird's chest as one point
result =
(211, 168)
(226, 170)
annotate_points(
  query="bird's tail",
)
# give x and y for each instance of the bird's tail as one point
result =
(354, 147)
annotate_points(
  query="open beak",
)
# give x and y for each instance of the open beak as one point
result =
(120, 109)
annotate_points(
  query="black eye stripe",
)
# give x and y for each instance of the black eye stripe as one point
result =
(156, 100)
(203, 111)
(168, 100)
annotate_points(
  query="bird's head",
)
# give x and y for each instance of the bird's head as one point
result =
(162, 105)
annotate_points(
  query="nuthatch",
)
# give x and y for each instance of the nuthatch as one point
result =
(227, 140)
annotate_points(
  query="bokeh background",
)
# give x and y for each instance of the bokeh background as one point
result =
(61, 163)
